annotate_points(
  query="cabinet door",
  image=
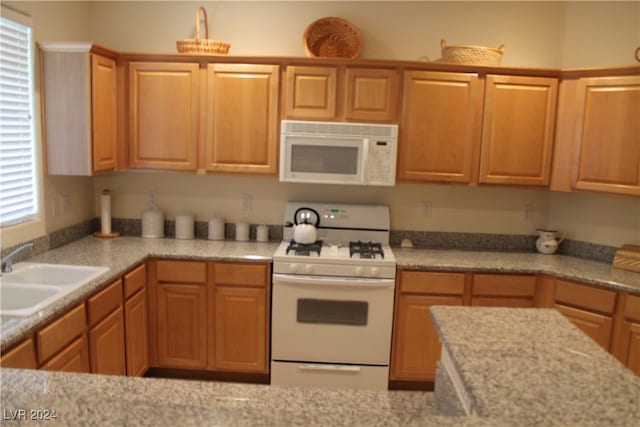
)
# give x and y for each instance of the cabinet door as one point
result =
(106, 345)
(439, 135)
(103, 113)
(595, 325)
(518, 130)
(136, 334)
(310, 93)
(22, 356)
(73, 358)
(607, 135)
(416, 346)
(630, 332)
(372, 94)
(163, 104)
(241, 330)
(242, 119)
(182, 325)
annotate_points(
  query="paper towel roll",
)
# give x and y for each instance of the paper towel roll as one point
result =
(105, 212)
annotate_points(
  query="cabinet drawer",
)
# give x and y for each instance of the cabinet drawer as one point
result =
(181, 271)
(135, 280)
(104, 302)
(589, 297)
(61, 332)
(74, 358)
(427, 282)
(22, 356)
(515, 285)
(241, 274)
(632, 307)
(502, 302)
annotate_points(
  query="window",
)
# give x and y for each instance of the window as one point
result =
(18, 180)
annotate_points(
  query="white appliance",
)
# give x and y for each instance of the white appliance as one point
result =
(332, 303)
(338, 153)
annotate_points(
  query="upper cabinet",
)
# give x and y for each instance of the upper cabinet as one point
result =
(163, 115)
(341, 93)
(518, 130)
(79, 108)
(606, 155)
(242, 118)
(439, 132)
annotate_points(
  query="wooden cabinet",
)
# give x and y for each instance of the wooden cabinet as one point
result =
(62, 345)
(242, 118)
(180, 314)
(503, 290)
(440, 129)
(241, 317)
(518, 130)
(350, 93)
(589, 308)
(371, 94)
(607, 135)
(74, 358)
(79, 109)
(310, 92)
(626, 341)
(163, 111)
(107, 345)
(416, 348)
(136, 322)
(22, 356)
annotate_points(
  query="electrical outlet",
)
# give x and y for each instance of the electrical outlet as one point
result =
(247, 202)
(527, 212)
(54, 207)
(425, 209)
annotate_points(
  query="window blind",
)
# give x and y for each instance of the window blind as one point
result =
(18, 183)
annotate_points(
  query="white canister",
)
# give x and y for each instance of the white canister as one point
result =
(184, 226)
(242, 231)
(262, 233)
(152, 223)
(216, 228)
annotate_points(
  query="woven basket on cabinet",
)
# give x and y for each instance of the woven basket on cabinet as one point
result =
(332, 38)
(202, 46)
(473, 55)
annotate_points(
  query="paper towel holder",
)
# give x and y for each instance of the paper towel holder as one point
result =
(111, 234)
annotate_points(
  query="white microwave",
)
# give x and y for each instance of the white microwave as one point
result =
(338, 153)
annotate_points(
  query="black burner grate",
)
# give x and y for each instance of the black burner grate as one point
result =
(366, 250)
(304, 249)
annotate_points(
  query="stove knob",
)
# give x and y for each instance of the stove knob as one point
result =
(374, 271)
(308, 268)
(359, 271)
(293, 268)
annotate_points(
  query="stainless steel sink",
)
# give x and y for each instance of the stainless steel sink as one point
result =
(31, 287)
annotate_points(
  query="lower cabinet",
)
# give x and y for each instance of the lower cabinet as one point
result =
(136, 334)
(106, 341)
(415, 350)
(74, 358)
(626, 340)
(22, 356)
(210, 316)
(62, 345)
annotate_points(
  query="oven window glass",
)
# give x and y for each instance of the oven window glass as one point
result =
(324, 159)
(333, 312)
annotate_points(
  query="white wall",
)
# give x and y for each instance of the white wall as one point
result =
(536, 34)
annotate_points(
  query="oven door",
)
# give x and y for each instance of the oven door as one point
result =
(331, 319)
(319, 159)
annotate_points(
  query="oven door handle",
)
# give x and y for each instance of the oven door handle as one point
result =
(323, 367)
(324, 281)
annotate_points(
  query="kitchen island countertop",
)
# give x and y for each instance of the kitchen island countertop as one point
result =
(531, 366)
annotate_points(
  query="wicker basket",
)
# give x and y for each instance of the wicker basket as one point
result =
(332, 38)
(204, 46)
(474, 55)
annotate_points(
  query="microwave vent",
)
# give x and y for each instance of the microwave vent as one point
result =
(339, 129)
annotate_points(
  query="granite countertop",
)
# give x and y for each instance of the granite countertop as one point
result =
(562, 266)
(533, 367)
(120, 255)
(86, 399)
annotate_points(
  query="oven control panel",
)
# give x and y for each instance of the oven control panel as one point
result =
(329, 214)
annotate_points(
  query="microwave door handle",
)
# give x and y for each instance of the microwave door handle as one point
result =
(365, 160)
(287, 279)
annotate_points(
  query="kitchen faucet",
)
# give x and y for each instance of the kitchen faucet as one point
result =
(7, 262)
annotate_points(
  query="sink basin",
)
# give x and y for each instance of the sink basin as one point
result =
(30, 287)
(33, 273)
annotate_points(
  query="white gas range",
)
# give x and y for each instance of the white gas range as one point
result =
(332, 307)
